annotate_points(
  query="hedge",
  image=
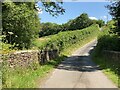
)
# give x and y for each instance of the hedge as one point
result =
(65, 39)
(107, 41)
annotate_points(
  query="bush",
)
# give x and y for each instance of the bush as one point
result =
(108, 41)
(5, 48)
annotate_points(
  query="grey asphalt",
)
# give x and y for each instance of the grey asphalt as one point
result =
(78, 71)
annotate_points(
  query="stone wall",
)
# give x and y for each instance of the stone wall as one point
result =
(46, 55)
(112, 55)
(26, 58)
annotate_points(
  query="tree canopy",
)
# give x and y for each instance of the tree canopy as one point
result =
(114, 10)
(53, 8)
(21, 23)
(80, 22)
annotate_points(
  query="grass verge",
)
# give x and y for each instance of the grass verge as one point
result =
(68, 51)
(110, 69)
(27, 77)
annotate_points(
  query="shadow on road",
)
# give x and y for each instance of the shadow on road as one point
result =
(81, 63)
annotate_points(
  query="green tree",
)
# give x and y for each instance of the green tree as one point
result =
(80, 22)
(111, 24)
(115, 12)
(50, 29)
(53, 8)
(100, 23)
(21, 23)
(94, 21)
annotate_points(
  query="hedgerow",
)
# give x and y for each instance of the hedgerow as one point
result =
(107, 41)
(64, 40)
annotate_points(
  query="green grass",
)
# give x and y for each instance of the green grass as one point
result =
(27, 78)
(111, 75)
(108, 68)
(72, 48)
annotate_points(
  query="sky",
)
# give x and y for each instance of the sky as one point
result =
(95, 10)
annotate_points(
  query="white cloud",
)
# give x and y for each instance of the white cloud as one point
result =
(40, 12)
(93, 18)
(105, 17)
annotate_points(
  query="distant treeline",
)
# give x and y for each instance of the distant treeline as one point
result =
(78, 23)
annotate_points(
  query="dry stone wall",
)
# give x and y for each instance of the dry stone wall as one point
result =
(112, 55)
(26, 58)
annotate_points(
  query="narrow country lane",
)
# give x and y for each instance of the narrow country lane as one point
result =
(78, 71)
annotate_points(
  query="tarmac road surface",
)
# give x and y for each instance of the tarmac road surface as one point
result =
(78, 71)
